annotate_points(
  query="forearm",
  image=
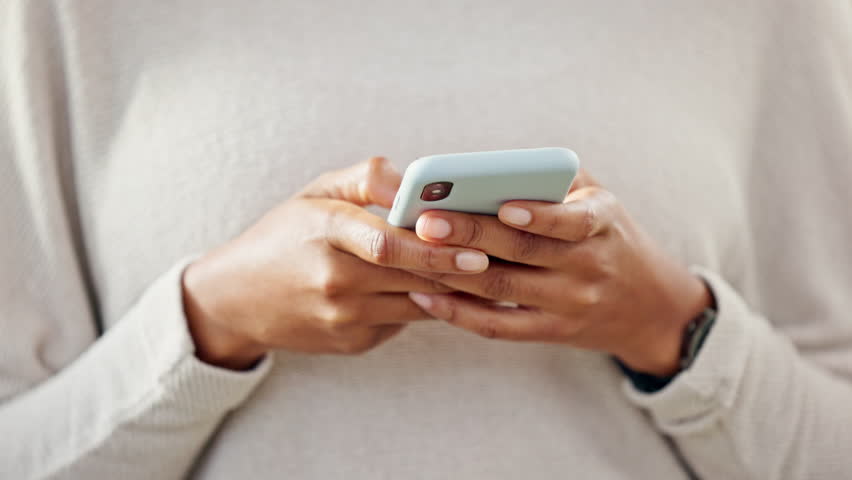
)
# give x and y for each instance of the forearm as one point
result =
(752, 406)
(138, 396)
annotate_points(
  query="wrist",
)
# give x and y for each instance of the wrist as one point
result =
(215, 343)
(658, 353)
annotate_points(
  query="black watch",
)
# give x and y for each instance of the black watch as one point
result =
(694, 334)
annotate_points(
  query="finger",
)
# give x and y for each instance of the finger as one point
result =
(360, 311)
(355, 275)
(397, 308)
(586, 213)
(489, 321)
(489, 235)
(353, 342)
(506, 283)
(373, 182)
(371, 239)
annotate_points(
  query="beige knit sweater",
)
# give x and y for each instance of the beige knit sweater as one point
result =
(135, 134)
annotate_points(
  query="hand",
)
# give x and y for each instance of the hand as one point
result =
(317, 274)
(584, 274)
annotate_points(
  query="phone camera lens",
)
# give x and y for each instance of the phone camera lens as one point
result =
(436, 191)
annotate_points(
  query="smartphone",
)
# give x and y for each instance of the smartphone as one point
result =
(480, 182)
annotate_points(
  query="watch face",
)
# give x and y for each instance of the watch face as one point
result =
(694, 336)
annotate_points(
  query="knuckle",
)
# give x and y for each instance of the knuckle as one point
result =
(596, 261)
(332, 284)
(331, 278)
(591, 255)
(524, 245)
(382, 247)
(589, 219)
(588, 297)
(337, 318)
(474, 232)
(375, 164)
(429, 258)
(488, 329)
(553, 225)
(374, 167)
(604, 267)
(498, 285)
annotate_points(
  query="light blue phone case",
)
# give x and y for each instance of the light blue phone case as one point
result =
(483, 181)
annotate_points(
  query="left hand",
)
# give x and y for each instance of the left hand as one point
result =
(583, 273)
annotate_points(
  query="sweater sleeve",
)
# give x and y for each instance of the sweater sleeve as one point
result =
(74, 404)
(752, 406)
(137, 396)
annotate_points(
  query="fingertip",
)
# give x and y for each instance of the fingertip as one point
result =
(422, 300)
(420, 227)
(436, 305)
(432, 227)
(515, 214)
(472, 262)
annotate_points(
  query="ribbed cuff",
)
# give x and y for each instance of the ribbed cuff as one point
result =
(700, 394)
(192, 384)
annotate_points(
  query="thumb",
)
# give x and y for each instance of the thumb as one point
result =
(373, 182)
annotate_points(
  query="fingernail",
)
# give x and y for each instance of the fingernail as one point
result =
(471, 262)
(433, 227)
(516, 216)
(421, 299)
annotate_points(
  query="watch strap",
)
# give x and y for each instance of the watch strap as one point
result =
(694, 335)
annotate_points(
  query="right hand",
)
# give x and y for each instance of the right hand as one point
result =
(317, 274)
